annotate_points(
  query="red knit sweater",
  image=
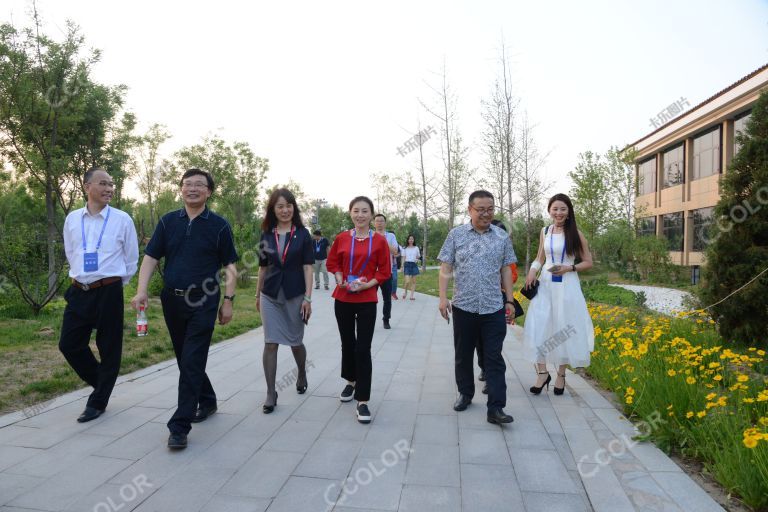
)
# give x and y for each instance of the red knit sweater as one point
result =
(378, 267)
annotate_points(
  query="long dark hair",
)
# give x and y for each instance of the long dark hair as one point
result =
(572, 240)
(363, 199)
(409, 237)
(270, 219)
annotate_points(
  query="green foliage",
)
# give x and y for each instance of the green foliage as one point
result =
(598, 290)
(740, 249)
(590, 194)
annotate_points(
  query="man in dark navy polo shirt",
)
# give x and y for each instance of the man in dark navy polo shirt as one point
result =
(196, 243)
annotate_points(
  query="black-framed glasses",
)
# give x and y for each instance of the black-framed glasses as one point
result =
(484, 211)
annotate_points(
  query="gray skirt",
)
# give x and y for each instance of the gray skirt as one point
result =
(282, 319)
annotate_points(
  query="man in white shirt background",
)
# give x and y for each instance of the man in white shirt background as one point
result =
(103, 252)
(380, 223)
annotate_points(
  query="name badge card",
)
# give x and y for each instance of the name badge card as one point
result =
(91, 261)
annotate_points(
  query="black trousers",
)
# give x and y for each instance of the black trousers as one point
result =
(356, 363)
(101, 309)
(473, 330)
(190, 322)
(480, 361)
(386, 294)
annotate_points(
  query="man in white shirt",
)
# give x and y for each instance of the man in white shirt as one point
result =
(103, 252)
(380, 223)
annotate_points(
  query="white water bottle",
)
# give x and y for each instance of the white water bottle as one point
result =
(141, 322)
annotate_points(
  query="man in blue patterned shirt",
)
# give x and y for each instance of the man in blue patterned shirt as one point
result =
(478, 255)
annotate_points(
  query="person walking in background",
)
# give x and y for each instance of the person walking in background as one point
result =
(196, 243)
(411, 257)
(320, 245)
(359, 260)
(103, 252)
(478, 255)
(558, 328)
(284, 294)
(380, 224)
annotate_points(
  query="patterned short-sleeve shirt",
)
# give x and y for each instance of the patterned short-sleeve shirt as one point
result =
(477, 259)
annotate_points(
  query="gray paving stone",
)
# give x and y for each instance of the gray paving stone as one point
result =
(553, 502)
(13, 455)
(46, 463)
(421, 498)
(125, 421)
(187, 491)
(570, 416)
(302, 494)
(436, 429)
(317, 408)
(11, 432)
(137, 443)
(61, 490)
(263, 475)
(329, 458)
(431, 464)
(604, 490)
(485, 488)
(483, 446)
(541, 471)
(222, 503)
(371, 483)
(528, 434)
(12, 485)
(295, 436)
(685, 492)
(124, 498)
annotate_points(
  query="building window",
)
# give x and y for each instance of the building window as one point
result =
(646, 177)
(646, 226)
(706, 154)
(674, 165)
(672, 229)
(703, 227)
(740, 127)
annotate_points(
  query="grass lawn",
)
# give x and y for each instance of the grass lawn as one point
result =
(32, 369)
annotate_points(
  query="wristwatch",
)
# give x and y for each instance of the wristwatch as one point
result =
(509, 302)
(230, 298)
(573, 268)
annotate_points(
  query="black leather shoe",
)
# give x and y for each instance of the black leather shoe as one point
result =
(481, 377)
(90, 413)
(498, 417)
(462, 402)
(386, 324)
(203, 412)
(177, 441)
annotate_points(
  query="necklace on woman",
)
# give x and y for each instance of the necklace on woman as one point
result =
(360, 238)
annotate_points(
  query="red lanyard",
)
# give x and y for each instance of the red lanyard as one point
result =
(287, 243)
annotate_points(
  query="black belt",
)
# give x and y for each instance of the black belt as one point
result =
(96, 284)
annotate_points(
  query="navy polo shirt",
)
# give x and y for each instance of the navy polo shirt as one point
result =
(289, 276)
(321, 248)
(194, 250)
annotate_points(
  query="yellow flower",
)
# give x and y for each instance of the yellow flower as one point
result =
(630, 391)
(642, 348)
(717, 377)
(671, 373)
(711, 396)
(629, 399)
(689, 414)
(748, 400)
(742, 378)
(701, 414)
(764, 421)
(761, 352)
(690, 380)
(750, 442)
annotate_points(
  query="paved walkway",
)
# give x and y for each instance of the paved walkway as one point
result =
(311, 454)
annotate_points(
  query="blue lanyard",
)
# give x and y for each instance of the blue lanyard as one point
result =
(352, 251)
(552, 247)
(103, 227)
(317, 245)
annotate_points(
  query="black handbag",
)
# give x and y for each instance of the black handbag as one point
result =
(518, 308)
(530, 292)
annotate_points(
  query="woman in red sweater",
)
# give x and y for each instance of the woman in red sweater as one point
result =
(360, 260)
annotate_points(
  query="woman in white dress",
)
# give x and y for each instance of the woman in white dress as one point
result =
(558, 328)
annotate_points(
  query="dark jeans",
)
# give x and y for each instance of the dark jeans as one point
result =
(356, 363)
(191, 326)
(472, 330)
(480, 360)
(386, 293)
(101, 309)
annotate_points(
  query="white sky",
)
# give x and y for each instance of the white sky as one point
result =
(327, 90)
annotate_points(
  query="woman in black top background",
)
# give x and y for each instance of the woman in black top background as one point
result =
(284, 294)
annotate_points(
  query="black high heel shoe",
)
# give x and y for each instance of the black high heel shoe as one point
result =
(537, 389)
(301, 385)
(266, 409)
(559, 391)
